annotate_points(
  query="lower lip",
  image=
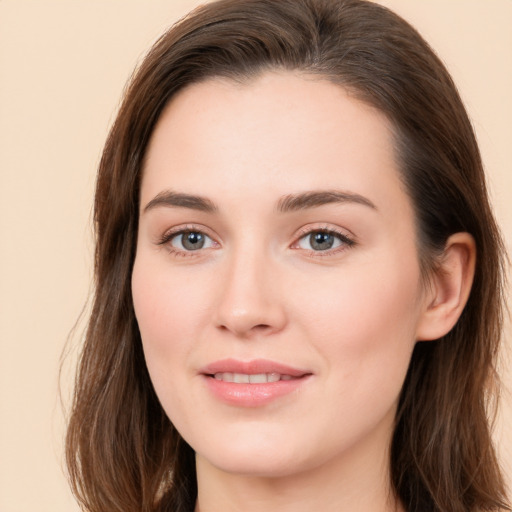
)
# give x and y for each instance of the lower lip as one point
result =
(252, 395)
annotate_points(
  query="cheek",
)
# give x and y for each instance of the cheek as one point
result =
(165, 299)
(363, 327)
(164, 303)
(366, 320)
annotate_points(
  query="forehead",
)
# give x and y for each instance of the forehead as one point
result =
(284, 131)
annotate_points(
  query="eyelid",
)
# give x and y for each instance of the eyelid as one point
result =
(347, 238)
(168, 235)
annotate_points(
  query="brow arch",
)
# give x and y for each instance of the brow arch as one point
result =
(316, 198)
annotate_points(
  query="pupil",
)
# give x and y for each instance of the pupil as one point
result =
(193, 240)
(321, 241)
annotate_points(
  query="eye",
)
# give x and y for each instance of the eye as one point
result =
(322, 240)
(190, 241)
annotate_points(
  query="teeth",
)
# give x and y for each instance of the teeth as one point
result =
(243, 378)
(226, 377)
(260, 378)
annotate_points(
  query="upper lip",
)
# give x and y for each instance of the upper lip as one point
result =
(253, 367)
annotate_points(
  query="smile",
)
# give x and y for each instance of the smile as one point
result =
(258, 378)
(253, 383)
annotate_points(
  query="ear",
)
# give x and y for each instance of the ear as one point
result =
(449, 288)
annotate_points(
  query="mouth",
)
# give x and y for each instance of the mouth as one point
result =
(257, 378)
(254, 383)
(256, 371)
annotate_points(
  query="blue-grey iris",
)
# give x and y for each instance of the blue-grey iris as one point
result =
(192, 240)
(321, 241)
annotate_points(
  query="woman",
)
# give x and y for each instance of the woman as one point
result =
(298, 275)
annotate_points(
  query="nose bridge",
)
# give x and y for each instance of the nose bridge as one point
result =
(249, 296)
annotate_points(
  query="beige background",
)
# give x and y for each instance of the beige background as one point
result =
(63, 65)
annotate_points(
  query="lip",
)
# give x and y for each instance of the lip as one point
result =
(252, 395)
(252, 367)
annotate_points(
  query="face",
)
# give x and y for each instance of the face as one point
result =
(276, 282)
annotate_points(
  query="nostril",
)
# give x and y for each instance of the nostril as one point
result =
(246, 330)
(261, 327)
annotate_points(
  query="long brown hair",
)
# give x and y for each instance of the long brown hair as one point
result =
(123, 453)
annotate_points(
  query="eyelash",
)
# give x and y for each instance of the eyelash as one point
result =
(168, 236)
(346, 241)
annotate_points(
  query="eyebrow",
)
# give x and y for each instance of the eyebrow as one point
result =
(288, 203)
(312, 199)
(175, 199)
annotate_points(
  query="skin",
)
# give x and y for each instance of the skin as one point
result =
(349, 315)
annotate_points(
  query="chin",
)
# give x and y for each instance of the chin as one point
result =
(257, 456)
(250, 465)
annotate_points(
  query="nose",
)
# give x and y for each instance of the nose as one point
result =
(249, 303)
